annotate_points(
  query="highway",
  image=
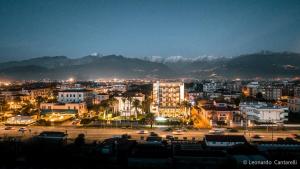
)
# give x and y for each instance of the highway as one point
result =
(99, 134)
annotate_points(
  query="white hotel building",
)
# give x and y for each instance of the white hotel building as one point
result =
(167, 97)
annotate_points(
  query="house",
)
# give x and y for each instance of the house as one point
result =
(224, 140)
(221, 112)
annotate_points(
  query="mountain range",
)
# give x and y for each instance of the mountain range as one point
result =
(262, 64)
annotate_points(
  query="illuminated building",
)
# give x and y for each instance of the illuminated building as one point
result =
(167, 96)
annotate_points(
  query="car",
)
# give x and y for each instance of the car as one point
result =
(256, 136)
(216, 131)
(153, 134)
(296, 136)
(8, 128)
(177, 132)
(168, 129)
(142, 132)
(232, 130)
(169, 137)
(22, 129)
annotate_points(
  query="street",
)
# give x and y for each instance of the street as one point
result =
(99, 134)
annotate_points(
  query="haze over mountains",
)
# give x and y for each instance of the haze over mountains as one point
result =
(263, 64)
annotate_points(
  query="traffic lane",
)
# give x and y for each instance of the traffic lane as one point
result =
(102, 133)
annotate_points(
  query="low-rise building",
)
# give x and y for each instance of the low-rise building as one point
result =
(98, 98)
(222, 113)
(63, 108)
(264, 113)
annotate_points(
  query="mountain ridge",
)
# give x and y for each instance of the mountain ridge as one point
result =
(263, 64)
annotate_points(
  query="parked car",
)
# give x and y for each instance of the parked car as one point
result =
(232, 130)
(256, 136)
(142, 132)
(153, 134)
(22, 129)
(9, 128)
(169, 137)
(177, 132)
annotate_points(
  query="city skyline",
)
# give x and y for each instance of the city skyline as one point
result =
(147, 28)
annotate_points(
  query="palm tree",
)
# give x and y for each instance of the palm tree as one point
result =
(39, 100)
(124, 101)
(136, 104)
(104, 105)
(129, 98)
(112, 103)
(187, 106)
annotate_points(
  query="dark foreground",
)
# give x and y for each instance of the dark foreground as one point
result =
(117, 153)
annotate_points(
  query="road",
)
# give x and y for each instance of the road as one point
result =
(99, 134)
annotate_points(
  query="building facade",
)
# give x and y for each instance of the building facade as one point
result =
(272, 93)
(167, 97)
(264, 113)
(294, 104)
(126, 106)
(74, 95)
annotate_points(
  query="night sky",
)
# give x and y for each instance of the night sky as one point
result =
(138, 28)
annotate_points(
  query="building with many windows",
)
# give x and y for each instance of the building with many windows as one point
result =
(272, 93)
(167, 97)
(294, 104)
(74, 95)
(264, 113)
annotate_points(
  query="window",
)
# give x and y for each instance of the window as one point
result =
(79, 95)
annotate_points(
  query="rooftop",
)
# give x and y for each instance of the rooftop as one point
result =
(225, 138)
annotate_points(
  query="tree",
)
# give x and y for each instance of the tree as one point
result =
(112, 102)
(104, 105)
(187, 107)
(80, 140)
(129, 98)
(39, 100)
(150, 119)
(146, 105)
(124, 101)
(136, 104)
(27, 109)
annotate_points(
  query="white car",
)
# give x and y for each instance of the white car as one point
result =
(142, 132)
(216, 131)
(177, 132)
